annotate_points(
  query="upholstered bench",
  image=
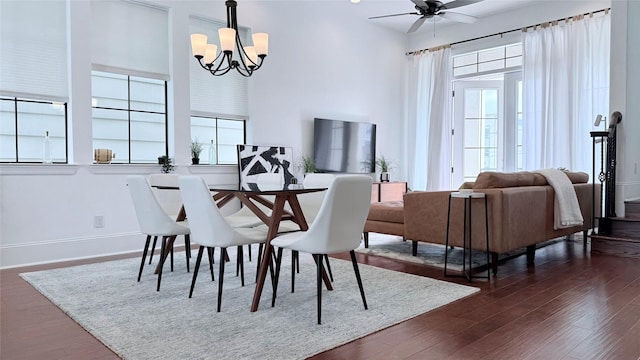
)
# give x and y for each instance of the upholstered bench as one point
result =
(385, 217)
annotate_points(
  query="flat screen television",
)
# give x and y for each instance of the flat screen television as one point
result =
(344, 146)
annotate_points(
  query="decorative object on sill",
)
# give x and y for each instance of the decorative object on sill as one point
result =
(246, 61)
(213, 156)
(103, 156)
(166, 163)
(308, 164)
(46, 149)
(196, 149)
(384, 166)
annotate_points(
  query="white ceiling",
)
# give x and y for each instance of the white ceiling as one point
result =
(369, 8)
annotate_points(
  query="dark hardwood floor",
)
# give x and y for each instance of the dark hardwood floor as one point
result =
(571, 305)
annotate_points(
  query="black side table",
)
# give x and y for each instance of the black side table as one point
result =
(466, 241)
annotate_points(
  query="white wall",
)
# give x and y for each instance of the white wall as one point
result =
(321, 64)
(624, 95)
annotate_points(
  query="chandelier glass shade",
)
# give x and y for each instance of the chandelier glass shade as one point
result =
(248, 58)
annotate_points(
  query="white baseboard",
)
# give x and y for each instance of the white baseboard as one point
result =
(52, 251)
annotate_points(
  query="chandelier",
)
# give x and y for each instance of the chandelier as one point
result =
(248, 59)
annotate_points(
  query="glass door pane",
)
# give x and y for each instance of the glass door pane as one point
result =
(478, 135)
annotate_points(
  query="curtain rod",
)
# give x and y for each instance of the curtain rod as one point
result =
(606, 11)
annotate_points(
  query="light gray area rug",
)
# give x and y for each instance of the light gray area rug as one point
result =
(393, 247)
(137, 322)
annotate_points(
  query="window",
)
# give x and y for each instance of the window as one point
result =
(488, 60)
(487, 112)
(23, 125)
(219, 136)
(129, 116)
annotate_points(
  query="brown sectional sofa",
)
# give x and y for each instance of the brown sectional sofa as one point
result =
(520, 214)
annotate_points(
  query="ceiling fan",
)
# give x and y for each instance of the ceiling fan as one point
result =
(428, 9)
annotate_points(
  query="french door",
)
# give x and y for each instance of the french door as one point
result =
(487, 126)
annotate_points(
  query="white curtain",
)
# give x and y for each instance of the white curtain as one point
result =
(565, 86)
(429, 121)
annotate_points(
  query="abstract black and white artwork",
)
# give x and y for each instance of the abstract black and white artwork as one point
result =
(254, 160)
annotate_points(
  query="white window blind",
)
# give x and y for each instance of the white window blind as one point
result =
(130, 38)
(33, 49)
(220, 95)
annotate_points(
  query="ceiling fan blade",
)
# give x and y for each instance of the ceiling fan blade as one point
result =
(417, 24)
(458, 3)
(420, 3)
(468, 19)
(384, 16)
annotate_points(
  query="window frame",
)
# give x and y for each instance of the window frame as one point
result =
(15, 100)
(129, 111)
(216, 118)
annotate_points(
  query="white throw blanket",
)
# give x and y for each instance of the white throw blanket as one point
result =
(566, 212)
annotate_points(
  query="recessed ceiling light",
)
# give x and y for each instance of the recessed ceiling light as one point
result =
(355, 1)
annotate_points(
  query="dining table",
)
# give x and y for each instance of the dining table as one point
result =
(272, 197)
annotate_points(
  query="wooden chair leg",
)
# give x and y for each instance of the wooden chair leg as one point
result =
(357, 271)
(144, 256)
(210, 254)
(187, 245)
(293, 270)
(319, 285)
(326, 259)
(223, 252)
(164, 243)
(153, 249)
(260, 249)
(241, 262)
(195, 270)
(171, 258)
(277, 276)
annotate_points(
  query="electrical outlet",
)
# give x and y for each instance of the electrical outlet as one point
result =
(98, 221)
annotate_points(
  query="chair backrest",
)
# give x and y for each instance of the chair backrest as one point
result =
(341, 218)
(170, 200)
(207, 224)
(153, 220)
(311, 202)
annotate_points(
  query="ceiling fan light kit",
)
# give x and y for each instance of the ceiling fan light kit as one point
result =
(428, 9)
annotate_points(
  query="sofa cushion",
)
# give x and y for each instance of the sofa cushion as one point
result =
(388, 211)
(493, 180)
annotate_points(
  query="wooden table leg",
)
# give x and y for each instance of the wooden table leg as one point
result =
(274, 222)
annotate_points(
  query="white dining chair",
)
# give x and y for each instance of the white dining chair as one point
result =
(270, 181)
(210, 230)
(153, 221)
(310, 204)
(169, 199)
(337, 228)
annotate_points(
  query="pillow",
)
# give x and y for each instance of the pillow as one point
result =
(578, 177)
(492, 180)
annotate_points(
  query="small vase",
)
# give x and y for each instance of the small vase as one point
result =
(384, 177)
(195, 161)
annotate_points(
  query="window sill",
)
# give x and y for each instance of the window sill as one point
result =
(213, 169)
(126, 169)
(38, 169)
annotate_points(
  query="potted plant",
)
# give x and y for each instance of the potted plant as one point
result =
(196, 149)
(166, 163)
(383, 165)
(308, 164)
